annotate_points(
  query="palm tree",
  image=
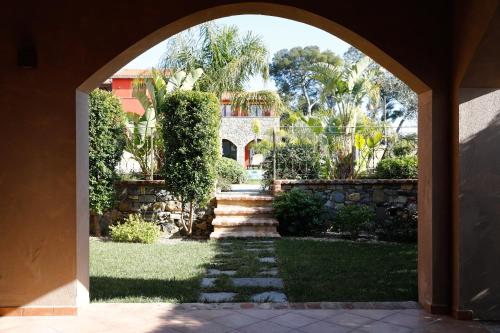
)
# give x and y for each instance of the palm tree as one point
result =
(228, 61)
(345, 88)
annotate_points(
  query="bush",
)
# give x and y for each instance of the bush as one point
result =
(106, 142)
(230, 171)
(397, 168)
(135, 230)
(400, 225)
(300, 213)
(293, 161)
(191, 142)
(353, 219)
(405, 146)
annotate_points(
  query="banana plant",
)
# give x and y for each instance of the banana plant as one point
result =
(151, 91)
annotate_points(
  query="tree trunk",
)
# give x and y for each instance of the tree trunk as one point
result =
(182, 216)
(95, 226)
(400, 125)
(190, 231)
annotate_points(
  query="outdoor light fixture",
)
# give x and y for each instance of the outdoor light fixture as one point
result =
(27, 57)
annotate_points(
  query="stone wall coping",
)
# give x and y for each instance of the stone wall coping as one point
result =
(343, 181)
(143, 182)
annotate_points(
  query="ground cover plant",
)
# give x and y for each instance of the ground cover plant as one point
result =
(311, 270)
(128, 272)
(316, 271)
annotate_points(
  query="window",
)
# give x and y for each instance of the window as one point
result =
(255, 110)
(226, 110)
(229, 149)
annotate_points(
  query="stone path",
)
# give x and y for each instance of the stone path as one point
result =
(243, 271)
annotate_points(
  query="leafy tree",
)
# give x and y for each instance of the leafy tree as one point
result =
(151, 90)
(106, 143)
(191, 135)
(292, 72)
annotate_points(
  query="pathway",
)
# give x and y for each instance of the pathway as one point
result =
(243, 271)
(179, 318)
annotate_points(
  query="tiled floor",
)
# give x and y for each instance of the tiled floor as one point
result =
(162, 318)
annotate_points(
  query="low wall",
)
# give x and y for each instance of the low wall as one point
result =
(377, 193)
(150, 199)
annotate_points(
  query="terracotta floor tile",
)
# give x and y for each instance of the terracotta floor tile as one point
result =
(293, 320)
(349, 320)
(381, 327)
(324, 327)
(236, 320)
(265, 326)
(408, 320)
(372, 314)
(263, 314)
(319, 314)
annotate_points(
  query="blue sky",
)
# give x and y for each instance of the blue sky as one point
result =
(277, 33)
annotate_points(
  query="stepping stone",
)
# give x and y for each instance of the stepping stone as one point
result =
(269, 249)
(261, 242)
(269, 297)
(213, 271)
(258, 282)
(225, 244)
(216, 297)
(225, 253)
(272, 271)
(207, 282)
(271, 260)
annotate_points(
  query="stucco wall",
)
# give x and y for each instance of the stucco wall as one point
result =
(238, 130)
(479, 202)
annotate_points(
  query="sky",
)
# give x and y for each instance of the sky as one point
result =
(277, 33)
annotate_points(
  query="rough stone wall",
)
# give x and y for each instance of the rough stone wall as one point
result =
(238, 130)
(377, 193)
(150, 199)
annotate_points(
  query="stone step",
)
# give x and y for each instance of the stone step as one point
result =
(244, 197)
(216, 297)
(235, 221)
(258, 282)
(243, 211)
(223, 233)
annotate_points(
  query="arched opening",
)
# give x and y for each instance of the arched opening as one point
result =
(229, 149)
(425, 97)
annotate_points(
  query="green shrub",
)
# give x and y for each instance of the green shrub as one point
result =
(399, 225)
(230, 171)
(190, 128)
(397, 168)
(293, 161)
(135, 230)
(106, 142)
(300, 213)
(353, 219)
(405, 146)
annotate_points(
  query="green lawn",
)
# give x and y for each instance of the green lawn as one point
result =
(122, 272)
(346, 271)
(312, 270)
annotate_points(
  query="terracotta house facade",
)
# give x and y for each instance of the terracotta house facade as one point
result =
(235, 133)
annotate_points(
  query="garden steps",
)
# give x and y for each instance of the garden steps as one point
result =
(244, 216)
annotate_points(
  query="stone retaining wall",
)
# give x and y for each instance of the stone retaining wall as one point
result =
(150, 199)
(377, 193)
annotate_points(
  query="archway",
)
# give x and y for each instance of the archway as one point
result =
(59, 276)
(229, 149)
(426, 266)
(427, 235)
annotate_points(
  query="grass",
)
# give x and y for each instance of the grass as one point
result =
(125, 272)
(311, 270)
(347, 271)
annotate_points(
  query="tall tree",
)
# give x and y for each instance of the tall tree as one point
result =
(399, 101)
(292, 72)
(227, 59)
